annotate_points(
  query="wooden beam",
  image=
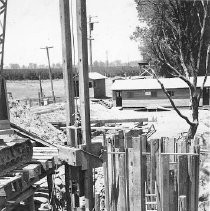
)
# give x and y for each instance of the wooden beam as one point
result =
(17, 153)
(67, 67)
(84, 96)
(105, 121)
(23, 196)
(83, 71)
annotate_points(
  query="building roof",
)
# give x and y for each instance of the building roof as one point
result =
(169, 83)
(96, 76)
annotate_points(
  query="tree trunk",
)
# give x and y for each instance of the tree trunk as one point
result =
(193, 127)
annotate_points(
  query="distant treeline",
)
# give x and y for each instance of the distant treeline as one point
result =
(33, 74)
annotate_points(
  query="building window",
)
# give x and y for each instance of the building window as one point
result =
(118, 94)
(147, 93)
(90, 84)
(171, 93)
(94, 84)
(153, 94)
(130, 94)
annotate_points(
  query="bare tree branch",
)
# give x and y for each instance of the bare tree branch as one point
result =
(206, 73)
(202, 34)
(171, 101)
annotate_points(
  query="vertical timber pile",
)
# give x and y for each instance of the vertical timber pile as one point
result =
(68, 83)
(3, 15)
(84, 95)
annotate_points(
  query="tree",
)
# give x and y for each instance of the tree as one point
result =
(177, 36)
(14, 66)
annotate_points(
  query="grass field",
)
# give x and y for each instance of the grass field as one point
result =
(30, 88)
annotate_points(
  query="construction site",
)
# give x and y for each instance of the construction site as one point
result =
(76, 151)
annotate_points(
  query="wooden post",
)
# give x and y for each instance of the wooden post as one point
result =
(105, 168)
(153, 148)
(138, 171)
(67, 68)
(122, 183)
(182, 203)
(84, 94)
(173, 194)
(50, 190)
(69, 86)
(97, 202)
(193, 170)
(130, 166)
(110, 174)
(183, 177)
(164, 182)
(30, 201)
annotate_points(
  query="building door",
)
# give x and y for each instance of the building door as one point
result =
(118, 99)
(205, 96)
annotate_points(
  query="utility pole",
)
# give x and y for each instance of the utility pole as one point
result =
(69, 89)
(3, 15)
(84, 96)
(91, 27)
(50, 71)
(40, 86)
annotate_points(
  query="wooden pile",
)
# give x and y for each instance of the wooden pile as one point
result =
(21, 166)
(160, 174)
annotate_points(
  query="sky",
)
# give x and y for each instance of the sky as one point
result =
(32, 24)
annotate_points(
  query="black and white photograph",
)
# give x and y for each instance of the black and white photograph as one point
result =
(104, 105)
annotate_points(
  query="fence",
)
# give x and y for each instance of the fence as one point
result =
(142, 175)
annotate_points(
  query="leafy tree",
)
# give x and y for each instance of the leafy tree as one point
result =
(177, 36)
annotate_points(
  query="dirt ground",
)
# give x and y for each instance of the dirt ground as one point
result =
(167, 123)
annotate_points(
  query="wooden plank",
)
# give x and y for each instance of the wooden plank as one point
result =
(14, 154)
(47, 162)
(105, 170)
(164, 182)
(43, 162)
(158, 172)
(105, 121)
(6, 131)
(10, 204)
(116, 201)
(139, 182)
(41, 156)
(26, 134)
(182, 203)
(122, 183)
(193, 170)
(130, 179)
(97, 202)
(44, 149)
(33, 169)
(128, 136)
(10, 187)
(183, 177)
(173, 194)
(110, 171)
(153, 149)
(70, 155)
